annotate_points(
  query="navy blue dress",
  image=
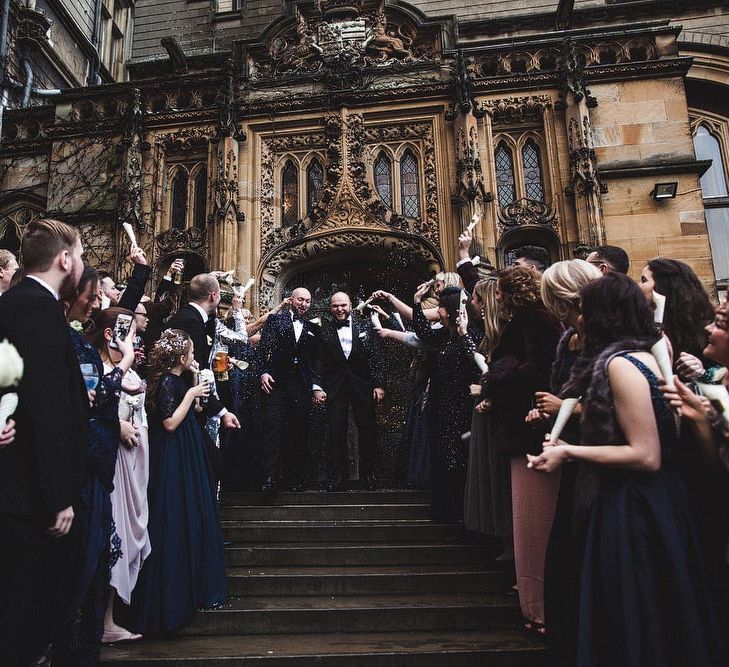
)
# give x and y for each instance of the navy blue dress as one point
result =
(644, 595)
(99, 543)
(185, 570)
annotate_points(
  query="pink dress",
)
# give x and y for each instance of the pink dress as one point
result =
(129, 497)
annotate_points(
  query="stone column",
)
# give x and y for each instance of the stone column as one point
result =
(586, 186)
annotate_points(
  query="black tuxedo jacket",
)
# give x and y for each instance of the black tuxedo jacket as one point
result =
(189, 319)
(358, 375)
(42, 472)
(283, 357)
(135, 287)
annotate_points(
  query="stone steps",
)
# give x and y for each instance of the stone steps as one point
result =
(358, 553)
(365, 613)
(350, 579)
(477, 648)
(361, 580)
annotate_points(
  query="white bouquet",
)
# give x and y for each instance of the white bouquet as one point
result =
(11, 372)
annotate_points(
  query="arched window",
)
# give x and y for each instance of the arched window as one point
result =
(201, 199)
(531, 161)
(713, 182)
(383, 178)
(409, 186)
(314, 184)
(505, 175)
(289, 194)
(178, 216)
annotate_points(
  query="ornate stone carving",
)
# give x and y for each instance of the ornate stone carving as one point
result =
(186, 139)
(129, 203)
(181, 240)
(510, 110)
(381, 242)
(33, 26)
(468, 170)
(585, 176)
(571, 69)
(465, 71)
(381, 46)
(228, 123)
(526, 212)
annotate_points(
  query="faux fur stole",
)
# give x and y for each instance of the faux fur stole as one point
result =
(589, 379)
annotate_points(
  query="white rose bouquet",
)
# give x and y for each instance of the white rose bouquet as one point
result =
(11, 372)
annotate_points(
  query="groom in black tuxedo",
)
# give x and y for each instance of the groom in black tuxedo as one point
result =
(287, 348)
(350, 373)
(42, 471)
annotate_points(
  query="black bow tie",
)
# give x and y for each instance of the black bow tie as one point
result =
(297, 317)
(341, 323)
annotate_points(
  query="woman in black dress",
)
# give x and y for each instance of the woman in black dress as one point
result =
(454, 372)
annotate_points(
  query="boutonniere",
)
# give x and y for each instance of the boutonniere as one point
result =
(210, 341)
(316, 320)
(77, 326)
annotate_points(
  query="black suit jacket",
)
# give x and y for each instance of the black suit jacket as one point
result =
(282, 356)
(358, 375)
(135, 287)
(189, 319)
(42, 472)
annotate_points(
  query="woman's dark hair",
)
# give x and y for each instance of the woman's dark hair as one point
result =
(104, 319)
(89, 274)
(688, 307)
(614, 307)
(450, 299)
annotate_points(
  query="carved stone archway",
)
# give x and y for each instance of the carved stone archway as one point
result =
(338, 245)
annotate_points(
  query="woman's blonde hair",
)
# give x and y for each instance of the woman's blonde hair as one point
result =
(449, 279)
(485, 290)
(173, 344)
(561, 285)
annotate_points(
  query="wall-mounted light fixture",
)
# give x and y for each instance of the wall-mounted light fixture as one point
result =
(663, 191)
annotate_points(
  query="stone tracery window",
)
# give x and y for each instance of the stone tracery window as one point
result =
(519, 171)
(410, 185)
(289, 194)
(383, 178)
(532, 164)
(711, 142)
(314, 184)
(187, 186)
(178, 216)
(505, 175)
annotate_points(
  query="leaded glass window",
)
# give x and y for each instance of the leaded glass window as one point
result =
(178, 215)
(289, 194)
(410, 186)
(713, 182)
(505, 175)
(201, 199)
(383, 179)
(314, 184)
(533, 184)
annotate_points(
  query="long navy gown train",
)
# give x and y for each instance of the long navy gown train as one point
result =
(186, 569)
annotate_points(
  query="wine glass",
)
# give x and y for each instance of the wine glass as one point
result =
(91, 376)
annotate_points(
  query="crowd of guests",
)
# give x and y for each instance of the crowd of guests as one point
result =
(111, 465)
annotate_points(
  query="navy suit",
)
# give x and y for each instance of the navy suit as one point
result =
(286, 409)
(349, 382)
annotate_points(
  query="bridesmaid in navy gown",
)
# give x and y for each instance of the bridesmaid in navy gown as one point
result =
(186, 569)
(644, 597)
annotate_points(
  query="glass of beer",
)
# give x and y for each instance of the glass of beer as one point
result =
(177, 278)
(220, 366)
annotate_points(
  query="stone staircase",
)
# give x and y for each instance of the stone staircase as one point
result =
(348, 579)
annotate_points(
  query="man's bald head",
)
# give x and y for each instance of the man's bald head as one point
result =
(205, 291)
(340, 306)
(300, 300)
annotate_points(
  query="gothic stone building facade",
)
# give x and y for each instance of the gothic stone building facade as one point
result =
(347, 143)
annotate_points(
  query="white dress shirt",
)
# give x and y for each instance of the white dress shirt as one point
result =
(298, 326)
(345, 337)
